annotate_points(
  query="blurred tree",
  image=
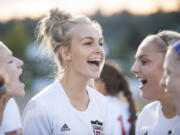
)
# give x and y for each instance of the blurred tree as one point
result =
(17, 38)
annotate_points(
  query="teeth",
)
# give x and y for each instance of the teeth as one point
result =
(95, 59)
(141, 79)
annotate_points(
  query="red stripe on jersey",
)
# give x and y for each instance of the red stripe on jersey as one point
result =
(122, 125)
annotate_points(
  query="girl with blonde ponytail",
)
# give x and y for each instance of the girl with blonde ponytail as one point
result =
(69, 106)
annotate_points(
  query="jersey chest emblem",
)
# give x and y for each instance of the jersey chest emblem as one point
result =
(97, 127)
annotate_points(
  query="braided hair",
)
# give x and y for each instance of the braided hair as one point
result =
(115, 82)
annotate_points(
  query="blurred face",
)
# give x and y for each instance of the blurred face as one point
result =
(171, 77)
(148, 68)
(86, 52)
(12, 68)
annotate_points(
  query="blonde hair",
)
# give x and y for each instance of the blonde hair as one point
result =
(171, 50)
(163, 39)
(2, 85)
(54, 31)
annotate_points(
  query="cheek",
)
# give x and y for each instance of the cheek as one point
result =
(175, 86)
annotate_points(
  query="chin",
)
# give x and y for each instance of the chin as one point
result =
(20, 94)
(95, 76)
(146, 97)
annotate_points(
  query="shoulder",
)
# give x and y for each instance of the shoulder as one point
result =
(151, 106)
(11, 122)
(97, 98)
(96, 95)
(11, 104)
(48, 93)
(147, 116)
(46, 97)
(149, 111)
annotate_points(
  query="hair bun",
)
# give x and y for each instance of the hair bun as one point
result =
(59, 15)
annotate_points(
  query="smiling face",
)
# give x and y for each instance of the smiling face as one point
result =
(86, 54)
(12, 68)
(148, 68)
(171, 77)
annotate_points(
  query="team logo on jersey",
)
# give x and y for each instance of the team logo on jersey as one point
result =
(65, 128)
(97, 127)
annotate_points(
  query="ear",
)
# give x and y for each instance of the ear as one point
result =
(65, 53)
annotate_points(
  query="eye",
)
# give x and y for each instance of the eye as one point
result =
(11, 61)
(143, 62)
(101, 44)
(88, 43)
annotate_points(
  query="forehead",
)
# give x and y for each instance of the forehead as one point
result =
(147, 48)
(86, 30)
(4, 52)
(171, 62)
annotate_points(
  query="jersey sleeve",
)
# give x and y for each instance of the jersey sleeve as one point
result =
(35, 120)
(11, 117)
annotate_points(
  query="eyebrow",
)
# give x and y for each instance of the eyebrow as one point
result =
(91, 38)
(141, 56)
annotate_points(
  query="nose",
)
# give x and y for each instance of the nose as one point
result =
(19, 63)
(135, 68)
(99, 48)
(163, 81)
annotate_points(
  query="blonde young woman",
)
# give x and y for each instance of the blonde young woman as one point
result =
(171, 78)
(69, 106)
(10, 70)
(158, 117)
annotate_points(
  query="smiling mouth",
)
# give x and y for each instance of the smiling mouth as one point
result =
(94, 62)
(143, 82)
(21, 78)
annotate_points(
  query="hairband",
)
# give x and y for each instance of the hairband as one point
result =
(2, 87)
(176, 47)
(164, 40)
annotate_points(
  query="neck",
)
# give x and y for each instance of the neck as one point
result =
(168, 108)
(75, 88)
(74, 84)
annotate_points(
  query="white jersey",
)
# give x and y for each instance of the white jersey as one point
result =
(11, 118)
(176, 130)
(51, 113)
(151, 121)
(120, 112)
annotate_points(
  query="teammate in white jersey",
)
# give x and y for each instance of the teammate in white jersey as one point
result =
(171, 78)
(10, 70)
(115, 86)
(69, 106)
(159, 117)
